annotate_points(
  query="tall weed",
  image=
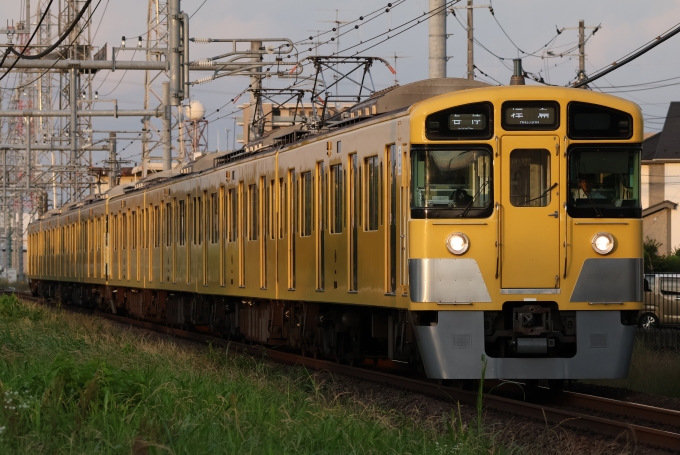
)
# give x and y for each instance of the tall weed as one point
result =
(71, 383)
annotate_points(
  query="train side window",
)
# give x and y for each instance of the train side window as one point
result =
(115, 232)
(223, 218)
(263, 201)
(194, 208)
(133, 240)
(200, 222)
(281, 215)
(252, 212)
(157, 226)
(124, 230)
(372, 194)
(336, 198)
(293, 187)
(530, 178)
(233, 215)
(182, 222)
(215, 218)
(168, 224)
(271, 209)
(307, 203)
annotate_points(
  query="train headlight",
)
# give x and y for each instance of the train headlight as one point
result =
(603, 243)
(457, 243)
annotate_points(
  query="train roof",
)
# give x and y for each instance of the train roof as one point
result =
(420, 95)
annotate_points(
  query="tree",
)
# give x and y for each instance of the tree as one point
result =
(655, 263)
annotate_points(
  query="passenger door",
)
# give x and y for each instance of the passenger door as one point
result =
(529, 212)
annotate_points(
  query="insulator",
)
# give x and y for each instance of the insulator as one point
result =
(204, 62)
(202, 40)
(204, 80)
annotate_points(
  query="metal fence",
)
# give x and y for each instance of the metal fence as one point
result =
(661, 337)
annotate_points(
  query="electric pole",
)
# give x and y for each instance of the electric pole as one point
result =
(395, 57)
(470, 38)
(470, 73)
(437, 29)
(581, 47)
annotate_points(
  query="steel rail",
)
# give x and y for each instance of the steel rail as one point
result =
(622, 408)
(560, 417)
(637, 433)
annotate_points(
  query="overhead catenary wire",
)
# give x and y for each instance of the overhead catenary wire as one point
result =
(37, 27)
(68, 30)
(631, 55)
(59, 58)
(533, 54)
(413, 22)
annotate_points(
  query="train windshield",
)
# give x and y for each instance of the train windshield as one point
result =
(451, 182)
(604, 182)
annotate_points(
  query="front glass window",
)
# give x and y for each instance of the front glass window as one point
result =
(530, 178)
(604, 182)
(451, 182)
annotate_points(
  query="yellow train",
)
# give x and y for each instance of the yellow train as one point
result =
(438, 223)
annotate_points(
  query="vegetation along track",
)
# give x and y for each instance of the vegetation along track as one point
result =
(637, 433)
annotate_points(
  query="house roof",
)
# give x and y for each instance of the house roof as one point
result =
(649, 146)
(666, 144)
(658, 207)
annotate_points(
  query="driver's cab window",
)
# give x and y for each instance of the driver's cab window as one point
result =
(451, 178)
(604, 182)
(530, 183)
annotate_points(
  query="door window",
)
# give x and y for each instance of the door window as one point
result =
(530, 183)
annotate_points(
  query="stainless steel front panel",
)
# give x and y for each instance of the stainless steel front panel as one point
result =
(446, 281)
(454, 349)
(609, 280)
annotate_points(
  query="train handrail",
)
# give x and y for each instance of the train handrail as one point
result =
(498, 240)
(566, 239)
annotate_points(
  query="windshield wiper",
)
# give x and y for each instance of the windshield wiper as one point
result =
(554, 185)
(469, 206)
(597, 212)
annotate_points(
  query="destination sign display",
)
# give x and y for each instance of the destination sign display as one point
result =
(530, 115)
(465, 122)
(459, 122)
(527, 116)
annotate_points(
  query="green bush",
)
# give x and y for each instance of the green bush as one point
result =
(656, 263)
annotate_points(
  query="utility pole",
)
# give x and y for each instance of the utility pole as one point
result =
(470, 73)
(437, 39)
(166, 127)
(113, 160)
(255, 84)
(470, 43)
(395, 57)
(581, 48)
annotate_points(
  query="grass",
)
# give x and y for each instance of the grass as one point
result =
(70, 383)
(655, 371)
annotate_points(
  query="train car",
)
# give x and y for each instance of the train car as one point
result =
(447, 224)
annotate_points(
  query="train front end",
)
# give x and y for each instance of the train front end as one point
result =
(525, 233)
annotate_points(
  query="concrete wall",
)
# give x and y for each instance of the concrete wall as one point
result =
(672, 193)
(657, 226)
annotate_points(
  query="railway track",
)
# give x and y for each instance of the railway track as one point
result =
(577, 420)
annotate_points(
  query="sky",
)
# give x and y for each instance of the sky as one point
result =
(515, 26)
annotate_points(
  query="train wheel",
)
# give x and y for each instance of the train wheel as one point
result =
(556, 385)
(648, 321)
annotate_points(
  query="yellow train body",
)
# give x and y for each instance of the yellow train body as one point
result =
(326, 240)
